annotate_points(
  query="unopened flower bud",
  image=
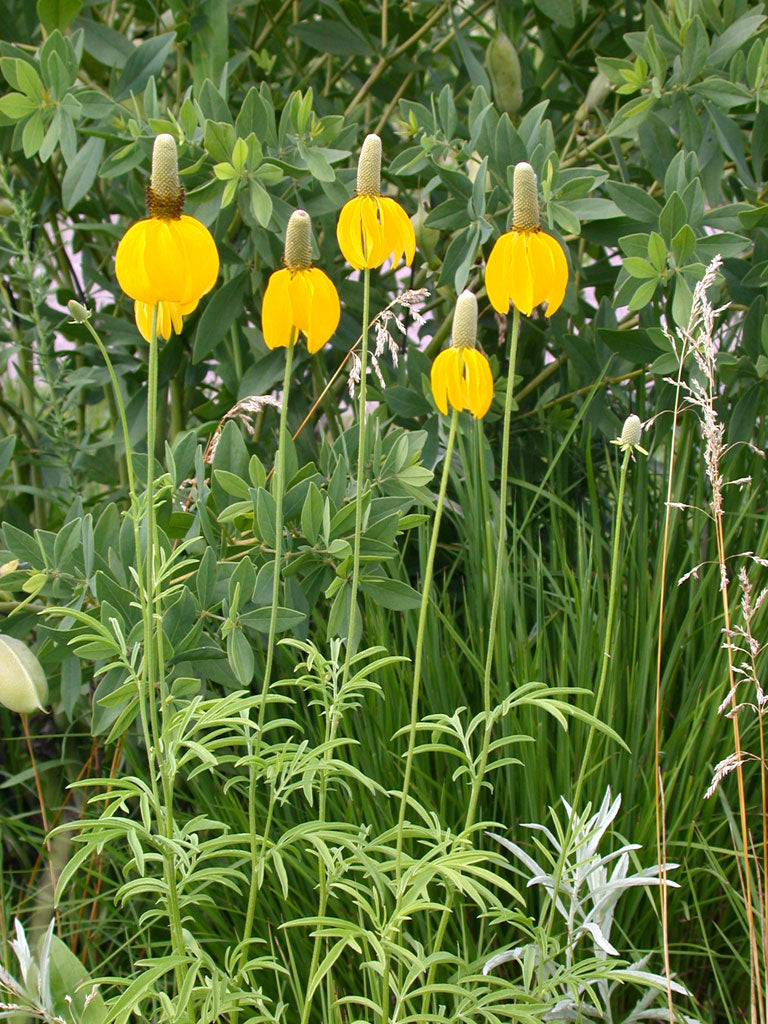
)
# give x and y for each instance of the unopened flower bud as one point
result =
(298, 241)
(464, 333)
(78, 311)
(599, 89)
(504, 70)
(23, 686)
(165, 196)
(369, 167)
(631, 432)
(426, 237)
(525, 210)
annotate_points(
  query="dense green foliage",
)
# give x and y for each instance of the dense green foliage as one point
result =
(648, 129)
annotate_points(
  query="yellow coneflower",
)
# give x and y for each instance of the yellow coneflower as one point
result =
(168, 260)
(300, 297)
(461, 376)
(373, 227)
(526, 265)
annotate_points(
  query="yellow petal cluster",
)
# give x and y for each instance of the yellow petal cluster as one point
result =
(299, 298)
(461, 376)
(372, 227)
(168, 258)
(526, 266)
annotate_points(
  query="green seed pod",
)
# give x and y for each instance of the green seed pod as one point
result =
(23, 686)
(506, 78)
(426, 238)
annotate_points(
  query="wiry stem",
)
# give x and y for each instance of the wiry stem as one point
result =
(607, 643)
(252, 772)
(501, 560)
(417, 663)
(361, 446)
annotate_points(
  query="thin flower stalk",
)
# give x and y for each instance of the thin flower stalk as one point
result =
(605, 661)
(153, 656)
(252, 772)
(150, 725)
(501, 560)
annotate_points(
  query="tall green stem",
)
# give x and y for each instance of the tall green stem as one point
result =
(252, 772)
(361, 447)
(501, 560)
(419, 653)
(416, 687)
(607, 644)
(154, 661)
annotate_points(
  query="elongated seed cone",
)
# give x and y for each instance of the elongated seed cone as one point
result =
(464, 333)
(369, 167)
(165, 196)
(525, 211)
(298, 241)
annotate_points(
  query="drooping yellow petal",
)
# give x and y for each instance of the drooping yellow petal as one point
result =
(542, 267)
(520, 278)
(167, 263)
(143, 315)
(349, 233)
(372, 242)
(398, 236)
(497, 274)
(324, 311)
(437, 380)
(559, 275)
(201, 253)
(277, 324)
(300, 296)
(129, 263)
(479, 382)
(454, 379)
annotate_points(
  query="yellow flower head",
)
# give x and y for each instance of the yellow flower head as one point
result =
(526, 266)
(373, 227)
(461, 376)
(169, 259)
(300, 297)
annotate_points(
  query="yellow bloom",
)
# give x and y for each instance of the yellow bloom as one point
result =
(373, 227)
(526, 265)
(300, 297)
(461, 376)
(168, 258)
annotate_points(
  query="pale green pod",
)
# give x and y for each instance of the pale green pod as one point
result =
(506, 76)
(23, 686)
